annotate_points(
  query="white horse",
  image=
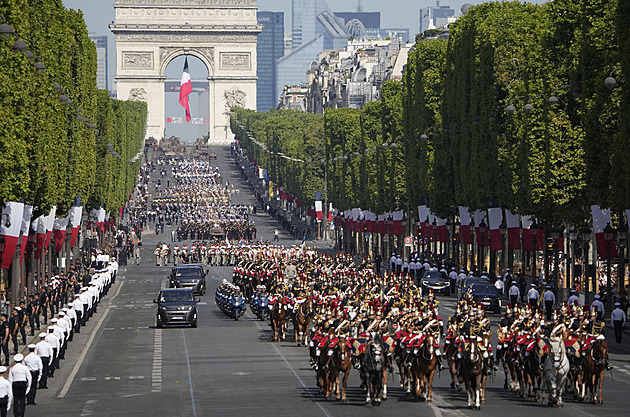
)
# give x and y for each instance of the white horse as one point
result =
(556, 369)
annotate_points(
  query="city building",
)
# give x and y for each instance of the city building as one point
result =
(293, 97)
(102, 79)
(314, 29)
(354, 76)
(391, 33)
(436, 17)
(370, 20)
(269, 49)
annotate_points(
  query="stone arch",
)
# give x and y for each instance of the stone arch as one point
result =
(169, 53)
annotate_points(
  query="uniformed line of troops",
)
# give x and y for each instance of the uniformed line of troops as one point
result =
(20, 382)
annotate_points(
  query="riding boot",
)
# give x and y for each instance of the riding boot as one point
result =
(439, 362)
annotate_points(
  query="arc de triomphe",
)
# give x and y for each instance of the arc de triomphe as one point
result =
(221, 33)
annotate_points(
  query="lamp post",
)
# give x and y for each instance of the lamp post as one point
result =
(503, 230)
(570, 271)
(534, 232)
(456, 243)
(622, 237)
(586, 237)
(555, 237)
(609, 238)
(483, 229)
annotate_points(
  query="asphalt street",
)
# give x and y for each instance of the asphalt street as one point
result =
(121, 365)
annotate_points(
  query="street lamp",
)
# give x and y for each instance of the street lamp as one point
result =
(456, 226)
(6, 30)
(586, 238)
(622, 237)
(534, 232)
(608, 237)
(483, 229)
(503, 230)
(610, 81)
(555, 236)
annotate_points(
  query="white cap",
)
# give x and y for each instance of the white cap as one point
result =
(3, 369)
(54, 320)
(597, 297)
(42, 335)
(18, 358)
(32, 346)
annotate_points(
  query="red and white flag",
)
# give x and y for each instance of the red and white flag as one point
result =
(75, 223)
(601, 217)
(26, 222)
(59, 235)
(464, 229)
(495, 217)
(481, 216)
(10, 226)
(513, 229)
(39, 227)
(49, 222)
(185, 89)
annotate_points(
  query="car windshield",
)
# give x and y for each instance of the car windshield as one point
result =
(432, 275)
(484, 289)
(176, 296)
(188, 272)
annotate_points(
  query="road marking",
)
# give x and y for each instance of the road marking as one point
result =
(294, 373)
(192, 394)
(88, 378)
(87, 346)
(156, 375)
(88, 408)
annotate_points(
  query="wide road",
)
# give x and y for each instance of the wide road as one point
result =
(121, 365)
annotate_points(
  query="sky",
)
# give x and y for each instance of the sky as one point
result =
(99, 14)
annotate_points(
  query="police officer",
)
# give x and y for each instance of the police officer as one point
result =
(514, 293)
(599, 306)
(14, 326)
(618, 320)
(532, 296)
(5, 334)
(549, 299)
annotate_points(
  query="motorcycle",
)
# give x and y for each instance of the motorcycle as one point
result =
(230, 300)
(259, 304)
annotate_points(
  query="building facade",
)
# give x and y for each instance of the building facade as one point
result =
(102, 78)
(269, 50)
(436, 17)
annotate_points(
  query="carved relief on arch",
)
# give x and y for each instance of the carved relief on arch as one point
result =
(167, 53)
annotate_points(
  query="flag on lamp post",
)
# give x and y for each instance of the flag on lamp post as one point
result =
(318, 206)
(10, 226)
(601, 218)
(185, 89)
(26, 222)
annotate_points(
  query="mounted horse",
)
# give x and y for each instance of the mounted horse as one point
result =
(278, 317)
(532, 373)
(555, 371)
(301, 320)
(595, 363)
(373, 367)
(341, 362)
(472, 369)
(423, 368)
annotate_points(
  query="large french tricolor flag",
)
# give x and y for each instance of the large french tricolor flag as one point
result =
(75, 223)
(26, 222)
(49, 222)
(185, 89)
(601, 217)
(10, 226)
(39, 227)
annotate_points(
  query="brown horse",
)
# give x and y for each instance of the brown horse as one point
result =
(301, 320)
(595, 363)
(472, 369)
(278, 317)
(423, 369)
(342, 362)
(450, 352)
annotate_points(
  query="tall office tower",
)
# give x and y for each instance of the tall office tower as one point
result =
(102, 80)
(314, 28)
(270, 48)
(435, 17)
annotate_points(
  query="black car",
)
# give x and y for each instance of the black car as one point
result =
(465, 284)
(486, 295)
(438, 281)
(189, 276)
(176, 306)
